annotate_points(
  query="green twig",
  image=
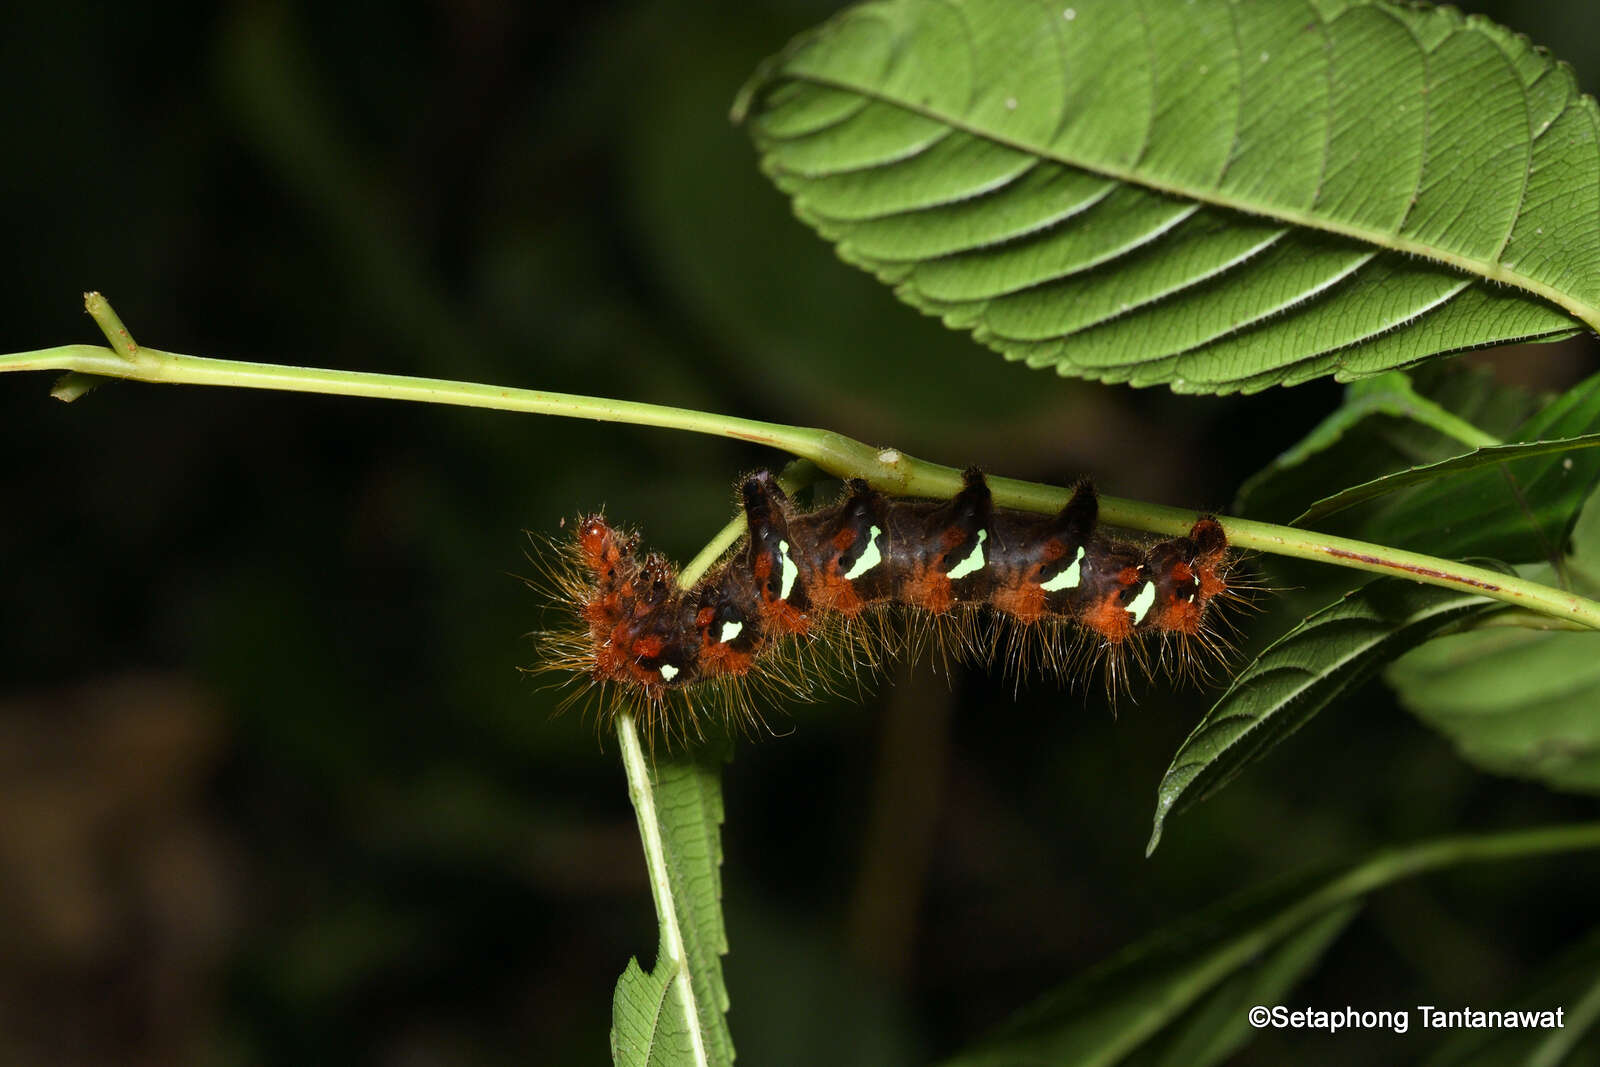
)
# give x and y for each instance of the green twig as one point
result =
(122, 342)
(641, 790)
(886, 469)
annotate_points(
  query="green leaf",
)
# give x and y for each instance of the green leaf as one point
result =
(1519, 701)
(1516, 702)
(1390, 394)
(1572, 983)
(1213, 195)
(1305, 670)
(1117, 1007)
(1522, 510)
(1432, 472)
(734, 263)
(676, 1014)
(1384, 424)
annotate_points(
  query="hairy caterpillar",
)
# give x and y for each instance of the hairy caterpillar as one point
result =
(799, 598)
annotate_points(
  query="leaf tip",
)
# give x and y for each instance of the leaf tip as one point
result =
(1158, 824)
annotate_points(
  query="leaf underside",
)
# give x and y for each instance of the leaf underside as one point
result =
(650, 1024)
(1515, 701)
(1321, 659)
(1205, 194)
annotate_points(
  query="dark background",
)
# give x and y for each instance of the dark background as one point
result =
(272, 787)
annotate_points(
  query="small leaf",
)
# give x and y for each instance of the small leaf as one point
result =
(1519, 511)
(1213, 195)
(676, 1014)
(1374, 432)
(1477, 459)
(1391, 394)
(645, 1030)
(1304, 671)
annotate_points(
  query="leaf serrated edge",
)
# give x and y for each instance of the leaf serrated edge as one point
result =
(1475, 267)
(1351, 667)
(672, 951)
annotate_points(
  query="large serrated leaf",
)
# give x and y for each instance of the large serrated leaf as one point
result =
(675, 1015)
(1209, 194)
(1298, 675)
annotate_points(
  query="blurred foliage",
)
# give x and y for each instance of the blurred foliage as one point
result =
(278, 793)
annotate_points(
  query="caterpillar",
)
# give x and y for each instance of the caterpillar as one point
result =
(802, 596)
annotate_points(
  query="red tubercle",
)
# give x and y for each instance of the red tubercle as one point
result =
(1179, 616)
(781, 617)
(599, 545)
(1108, 618)
(929, 589)
(832, 591)
(719, 658)
(1024, 600)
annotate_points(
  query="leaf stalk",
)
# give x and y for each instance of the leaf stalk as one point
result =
(888, 470)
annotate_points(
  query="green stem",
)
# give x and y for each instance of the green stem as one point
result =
(110, 323)
(1519, 619)
(1404, 861)
(1403, 400)
(887, 469)
(1394, 864)
(1407, 861)
(1552, 1051)
(1387, 394)
(641, 790)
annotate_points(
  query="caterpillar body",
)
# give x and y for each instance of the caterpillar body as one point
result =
(983, 578)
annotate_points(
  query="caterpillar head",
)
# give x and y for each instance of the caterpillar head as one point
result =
(628, 606)
(1188, 572)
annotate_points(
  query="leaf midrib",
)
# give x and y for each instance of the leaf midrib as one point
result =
(1486, 270)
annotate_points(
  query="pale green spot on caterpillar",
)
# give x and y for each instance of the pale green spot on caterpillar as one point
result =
(870, 558)
(1140, 607)
(974, 561)
(668, 672)
(730, 630)
(790, 571)
(1067, 579)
